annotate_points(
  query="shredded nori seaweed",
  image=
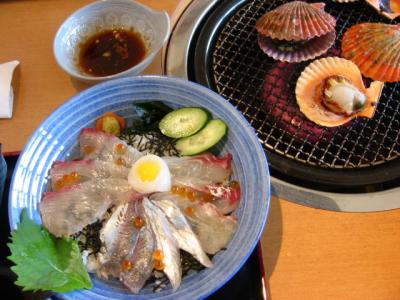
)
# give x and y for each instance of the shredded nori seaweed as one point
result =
(89, 237)
(159, 281)
(152, 142)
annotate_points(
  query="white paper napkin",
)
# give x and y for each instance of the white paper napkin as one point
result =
(6, 90)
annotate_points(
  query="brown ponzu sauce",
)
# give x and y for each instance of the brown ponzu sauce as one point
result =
(111, 51)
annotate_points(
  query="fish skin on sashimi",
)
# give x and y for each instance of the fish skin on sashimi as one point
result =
(183, 233)
(119, 237)
(142, 260)
(165, 242)
(213, 229)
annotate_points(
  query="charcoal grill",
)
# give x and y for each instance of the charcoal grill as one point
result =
(354, 167)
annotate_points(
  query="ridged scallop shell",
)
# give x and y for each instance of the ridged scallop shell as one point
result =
(296, 21)
(375, 49)
(311, 49)
(344, 1)
(282, 109)
(312, 77)
(388, 8)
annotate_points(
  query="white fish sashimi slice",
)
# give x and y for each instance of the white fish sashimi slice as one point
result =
(119, 236)
(141, 259)
(87, 169)
(165, 242)
(95, 144)
(183, 233)
(213, 229)
(199, 171)
(226, 196)
(69, 210)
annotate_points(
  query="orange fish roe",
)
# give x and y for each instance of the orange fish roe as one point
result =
(158, 255)
(59, 184)
(120, 148)
(138, 222)
(191, 195)
(88, 149)
(182, 191)
(158, 265)
(120, 161)
(207, 197)
(189, 210)
(74, 176)
(126, 265)
(234, 184)
(67, 180)
(174, 189)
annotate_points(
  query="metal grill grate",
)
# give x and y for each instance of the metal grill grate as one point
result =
(239, 68)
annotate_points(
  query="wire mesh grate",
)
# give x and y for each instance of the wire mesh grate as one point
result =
(242, 73)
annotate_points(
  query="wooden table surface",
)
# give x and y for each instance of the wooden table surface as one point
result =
(308, 253)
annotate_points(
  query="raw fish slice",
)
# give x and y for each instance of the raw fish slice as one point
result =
(213, 229)
(119, 236)
(141, 259)
(69, 210)
(95, 144)
(295, 21)
(85, 170)
(199, 171)
(226, 196)
(165, 242)
(182, 232)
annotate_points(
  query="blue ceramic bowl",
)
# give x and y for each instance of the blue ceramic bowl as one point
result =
(57, 139)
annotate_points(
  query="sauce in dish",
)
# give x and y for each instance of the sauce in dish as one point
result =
(111, 51)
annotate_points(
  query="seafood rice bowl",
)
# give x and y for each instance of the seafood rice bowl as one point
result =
(161, 184)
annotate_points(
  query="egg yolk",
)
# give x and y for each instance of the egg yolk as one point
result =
(148, 171)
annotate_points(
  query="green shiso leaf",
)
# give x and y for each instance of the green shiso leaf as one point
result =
(44, 262)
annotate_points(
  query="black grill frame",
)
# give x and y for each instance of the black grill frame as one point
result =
(358, 169)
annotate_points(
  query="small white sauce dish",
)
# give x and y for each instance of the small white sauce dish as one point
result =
(152, 25)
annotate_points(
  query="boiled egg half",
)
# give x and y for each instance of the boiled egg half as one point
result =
(150, 174)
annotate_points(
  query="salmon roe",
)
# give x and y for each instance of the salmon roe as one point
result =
(67, 180)
(88, 149)
(234, 184)
(191, 195)
(158, 255)
(126, 265)
(120, 148)
(174, 189)
(138, 222)
(158, 265)
(120, 161)
(207, 197)
(189, 210)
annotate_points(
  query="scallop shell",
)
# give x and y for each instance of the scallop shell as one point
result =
(311, 49)
(314, 74)
(281, 107)
(375, 49)
(296, 21)
(388, 8)
(344, 1)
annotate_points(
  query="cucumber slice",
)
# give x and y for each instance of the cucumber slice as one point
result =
(211, 134)
(183, 122)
